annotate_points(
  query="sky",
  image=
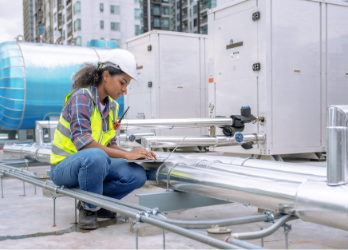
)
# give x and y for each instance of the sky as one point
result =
(11, 19)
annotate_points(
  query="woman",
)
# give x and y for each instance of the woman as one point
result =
(84, 151)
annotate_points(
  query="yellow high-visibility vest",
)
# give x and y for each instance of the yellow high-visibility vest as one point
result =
(63, 147)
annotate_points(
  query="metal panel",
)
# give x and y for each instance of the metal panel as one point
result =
(337, 55)
(175, 66)
(296, 74)
(172, 200)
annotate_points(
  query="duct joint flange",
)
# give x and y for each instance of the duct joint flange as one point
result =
(270, 216)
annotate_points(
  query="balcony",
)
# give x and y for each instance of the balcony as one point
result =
(68, 13)
(69, 30)
(207, 5)
(60, 20)
(184, 13)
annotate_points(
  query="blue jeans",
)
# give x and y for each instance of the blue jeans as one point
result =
(94, 171)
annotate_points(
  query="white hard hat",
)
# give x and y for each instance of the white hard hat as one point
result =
(123, 59)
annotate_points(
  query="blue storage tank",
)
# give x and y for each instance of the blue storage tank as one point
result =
(102, 44)
(34, 79)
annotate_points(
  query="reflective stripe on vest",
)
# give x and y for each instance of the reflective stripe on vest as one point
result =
(63, 147)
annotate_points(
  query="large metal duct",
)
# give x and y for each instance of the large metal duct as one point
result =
(337, 147)
(34, 79)
(312, 201)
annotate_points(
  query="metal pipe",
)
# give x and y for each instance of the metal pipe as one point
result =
(175, 123)
(210, 223)
(25, 172)
(219, 141)
(193, 235)
(39, 125)
(336, 155)
(242, 244)
(337, 149)
(265, 232)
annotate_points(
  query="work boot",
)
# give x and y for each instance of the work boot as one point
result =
(87, 219)
(103, 213)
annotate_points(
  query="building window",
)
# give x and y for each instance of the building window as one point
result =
(48, 35)
(55, 17)
(172, 22)
(156, 10)
(137, 30)
(178, 17)
(156, 22)
(118, 42)
(77, 25)
(178, 28)
(172, 10)
(77, 8)
(101, 7)
(137, 14)
(63, 35)
(195, 22)
(205, 30)
(48, 21)
(63, 19)
(114, 9)
(101, 25)
(78, 41)
(191, 1)
(165, 23)
(115, 26)
(165, 1)
(165, 11)
(178, 6)
(195, 9)
(136, 1)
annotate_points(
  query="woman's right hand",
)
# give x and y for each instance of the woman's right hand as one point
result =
(140, 153)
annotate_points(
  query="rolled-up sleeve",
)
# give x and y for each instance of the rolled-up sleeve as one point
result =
(112, 142)
(80, 112)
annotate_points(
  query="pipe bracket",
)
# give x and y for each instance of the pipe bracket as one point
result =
(270, 216)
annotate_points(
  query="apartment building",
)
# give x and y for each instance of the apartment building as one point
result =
(189, 16)
(28, 20)
(81, 21)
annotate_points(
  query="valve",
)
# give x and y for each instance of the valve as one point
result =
(239, 121)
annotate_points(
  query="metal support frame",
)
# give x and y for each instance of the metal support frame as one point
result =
(151, 216)
(2, 188)
(23, 188)
(54, 211)
(75, 211)
(287, 229)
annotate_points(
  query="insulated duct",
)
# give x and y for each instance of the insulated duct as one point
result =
(310, 200)
(218, 141)
(337, 145)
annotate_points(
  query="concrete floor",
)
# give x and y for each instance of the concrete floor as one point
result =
(26, 222)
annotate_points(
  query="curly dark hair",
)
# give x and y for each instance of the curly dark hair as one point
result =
(91, 75)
